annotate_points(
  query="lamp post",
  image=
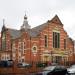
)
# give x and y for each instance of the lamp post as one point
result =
(30, 51)
(51, 57)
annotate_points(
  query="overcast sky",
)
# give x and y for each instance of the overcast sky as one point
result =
(38, 12)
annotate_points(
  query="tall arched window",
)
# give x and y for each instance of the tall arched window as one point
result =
(56, 40)
(22, 47)
(64, 43)
(46, 41)
(3, 41)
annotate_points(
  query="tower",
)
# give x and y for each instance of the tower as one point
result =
(25, 25)
(3, 28)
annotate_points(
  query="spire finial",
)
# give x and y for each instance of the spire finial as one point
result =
(25, 25)
(3, 21)
(25, 17)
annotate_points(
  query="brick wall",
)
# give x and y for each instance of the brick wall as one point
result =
(41, 51)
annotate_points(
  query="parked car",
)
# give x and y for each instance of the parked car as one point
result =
(3, 64)
(71, 70)
(23, 65)
(10, 63)
(6, 63)
(54, 70)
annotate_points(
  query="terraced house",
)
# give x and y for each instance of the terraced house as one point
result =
(48, 42)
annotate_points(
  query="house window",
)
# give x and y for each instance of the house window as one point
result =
(13, 47)
(56, 40)
(8, 58)
(21, 47)
(5, 57)
(64, 43)
(19, 61)
(24, 45)
(46, 41)
(3, 40)
(2, 57)
(14, 56)
(22, 60)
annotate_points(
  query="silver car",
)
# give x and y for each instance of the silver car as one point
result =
(71, 70)
(23, 65)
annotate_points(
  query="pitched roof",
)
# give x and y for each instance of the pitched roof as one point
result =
(31, 33)
(14, 33)
(56, 20)
(34, 32)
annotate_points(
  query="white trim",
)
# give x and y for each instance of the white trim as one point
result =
(56, 31)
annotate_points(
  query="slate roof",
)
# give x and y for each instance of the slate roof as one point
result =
(34, 32)
(14, 33)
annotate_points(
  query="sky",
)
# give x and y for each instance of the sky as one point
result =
(38, 12)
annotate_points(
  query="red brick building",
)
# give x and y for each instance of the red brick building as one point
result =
(48, 42)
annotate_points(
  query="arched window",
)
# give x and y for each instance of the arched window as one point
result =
(64, 43)
(22, 47)
(56, 40)
(46, 41)
(3, 41)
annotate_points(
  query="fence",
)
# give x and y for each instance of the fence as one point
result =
(36, 67)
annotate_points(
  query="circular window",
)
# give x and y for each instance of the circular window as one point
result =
(34, 49)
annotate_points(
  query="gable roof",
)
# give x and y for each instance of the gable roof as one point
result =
(56, 20)
(14, 33)
(34, 32)
(31, 32)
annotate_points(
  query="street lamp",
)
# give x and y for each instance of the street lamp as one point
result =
(51, 57)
